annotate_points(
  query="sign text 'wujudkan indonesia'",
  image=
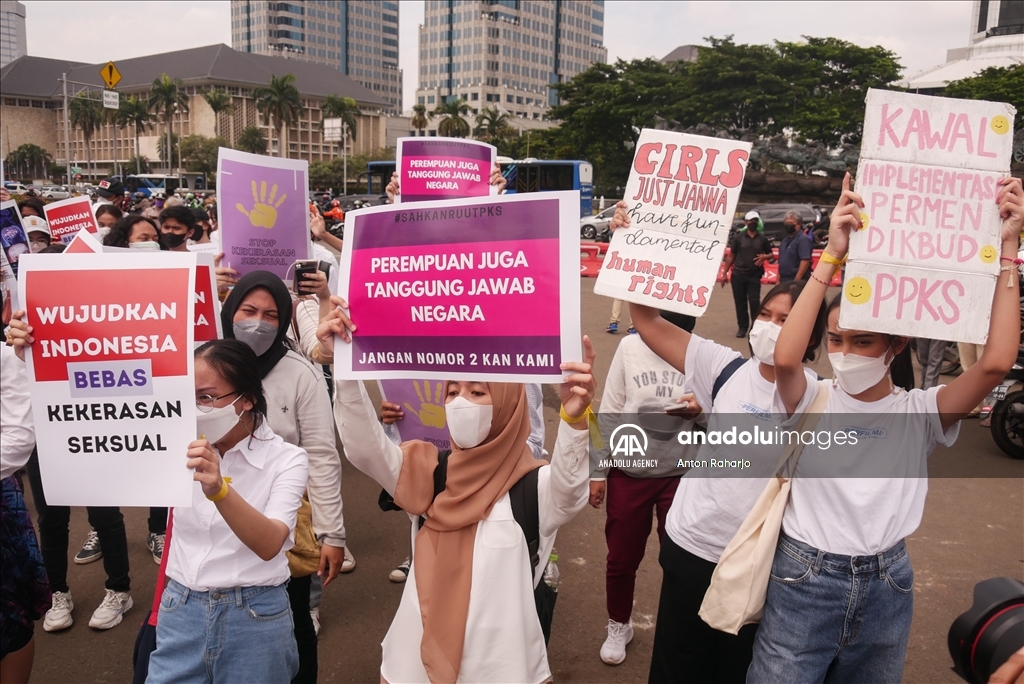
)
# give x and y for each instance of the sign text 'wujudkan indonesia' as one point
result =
(681, 196)
(927, 261)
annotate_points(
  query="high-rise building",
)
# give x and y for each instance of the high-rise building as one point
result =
(357, 37)
(507, 52)
(12, 31)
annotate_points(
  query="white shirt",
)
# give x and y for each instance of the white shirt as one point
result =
(710, 504)
(504, 642)
(205, 554)
(861, 499)
(18, 431)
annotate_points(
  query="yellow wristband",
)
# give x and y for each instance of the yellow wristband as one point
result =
(221, 494)
(570, 419)
(829, 259)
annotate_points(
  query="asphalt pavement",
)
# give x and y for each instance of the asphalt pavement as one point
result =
(973, 529)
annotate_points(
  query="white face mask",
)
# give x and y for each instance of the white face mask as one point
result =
(145, 246)
(857, 373)
(468, 423)
(218, 422)
(763, 335)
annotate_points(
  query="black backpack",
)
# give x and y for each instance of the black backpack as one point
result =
(525, 509)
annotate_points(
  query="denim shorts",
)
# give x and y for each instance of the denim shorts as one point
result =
(834, 618)
(242, 634)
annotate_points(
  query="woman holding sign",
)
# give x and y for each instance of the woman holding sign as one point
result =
(468, 611)
(840, 598)
(225, 614)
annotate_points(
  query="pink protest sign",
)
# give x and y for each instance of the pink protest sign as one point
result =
(928, 258)
(482, 288)
(443, 168)
(422, 401)
(69, 216)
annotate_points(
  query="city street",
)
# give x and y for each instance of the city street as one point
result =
(973, 529)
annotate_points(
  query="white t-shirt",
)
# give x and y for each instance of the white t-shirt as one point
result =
(711, 503)
(861, 499)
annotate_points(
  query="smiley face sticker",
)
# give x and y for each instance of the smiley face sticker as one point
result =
(1000, 125)
(865, 221)
(857, 290)
(988, 254)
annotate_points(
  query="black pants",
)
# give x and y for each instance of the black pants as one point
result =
(53, 524)
(157, 520)
(746, 293)
(685, 647)
(305, 633)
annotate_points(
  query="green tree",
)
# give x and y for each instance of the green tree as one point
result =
(219, 102)
(996, 84)
(280, 105)
(199, 153)
(252, 140)
(490, 123)
(87, 115)
(140, 163)
(166, 96)
(161, 146)
(135, 113)
(344, 108)
(420, 117)
(28, 160)
(451, 113)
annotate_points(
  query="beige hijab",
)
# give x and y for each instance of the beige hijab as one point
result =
(443, 554)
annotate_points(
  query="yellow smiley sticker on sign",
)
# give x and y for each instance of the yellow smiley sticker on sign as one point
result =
(1000, 125)
(988, 254)
(857, 290)
(865, 220)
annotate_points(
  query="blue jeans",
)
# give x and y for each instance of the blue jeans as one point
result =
(833, 618)
(242, 634)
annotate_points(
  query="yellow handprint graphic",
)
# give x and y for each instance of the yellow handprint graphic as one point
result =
(264, 209)
(431, 413)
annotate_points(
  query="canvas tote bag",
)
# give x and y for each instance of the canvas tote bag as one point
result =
(740, 580)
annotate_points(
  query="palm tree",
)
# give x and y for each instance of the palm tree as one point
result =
(491, 122)
(252, 140)
(166, 95)
(280, 104)
(88, 115)
(420, 117)
(134, 112)
(30, 159)
(344, 108)
(219, 101)
(452, 123)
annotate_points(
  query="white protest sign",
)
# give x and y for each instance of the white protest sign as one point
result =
(681, 196)
(111, 374)
(926, 262)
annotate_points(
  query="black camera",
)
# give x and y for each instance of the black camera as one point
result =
(992, 630)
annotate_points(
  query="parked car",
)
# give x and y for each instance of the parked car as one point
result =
(55, 192)
(596, 227)
(814, 218)
(15, 188)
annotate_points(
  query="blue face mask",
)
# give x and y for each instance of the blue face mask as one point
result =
(259, 335)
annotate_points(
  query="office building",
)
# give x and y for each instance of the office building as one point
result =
(506, 52)
(357, 37)
(12, 31)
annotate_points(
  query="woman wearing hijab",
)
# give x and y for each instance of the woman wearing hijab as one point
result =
(467, 612)
(258, 312)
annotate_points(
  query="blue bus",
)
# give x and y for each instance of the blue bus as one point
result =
(522, 175)
(163, 185)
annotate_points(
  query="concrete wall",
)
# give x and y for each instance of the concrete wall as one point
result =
(20, 125)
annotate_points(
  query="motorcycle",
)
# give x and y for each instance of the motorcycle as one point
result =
(1008, 407)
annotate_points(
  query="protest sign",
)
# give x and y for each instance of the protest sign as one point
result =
(207, 307)
(262, 211)
(681, 196)
(13, 239)
(443, 168)
(481, 288)
(926, 262)
(84, 242)
(423, 404)
(111, 376)
(69, 216)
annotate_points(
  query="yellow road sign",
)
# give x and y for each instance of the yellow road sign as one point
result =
(111, 76)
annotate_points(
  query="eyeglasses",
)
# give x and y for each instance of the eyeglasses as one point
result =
(204, 402)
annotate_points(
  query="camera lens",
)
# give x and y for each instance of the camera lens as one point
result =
(991, 631)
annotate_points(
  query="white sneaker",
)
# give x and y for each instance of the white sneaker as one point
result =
(115, 604)
(315, 614)
(400, 573)
(349, 564)
(59, 615)
(613, 650)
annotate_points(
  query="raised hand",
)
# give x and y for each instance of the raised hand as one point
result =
(580, 386)
(1010, 199)
(337, 323)
(393, 188)
(264, 209)
(206, 464)
(620, 219)
(497, 179)
(847, 216)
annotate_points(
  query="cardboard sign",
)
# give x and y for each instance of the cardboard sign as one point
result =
(262, 212)
(443, 168)
(681, 196)
(13, 238)
(69, 216)
(423, 404)
(474, 289)
(111, 374)
(926, 262)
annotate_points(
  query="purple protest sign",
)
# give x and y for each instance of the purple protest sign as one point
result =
(262, 211)
(443, 168)
(423, 404)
